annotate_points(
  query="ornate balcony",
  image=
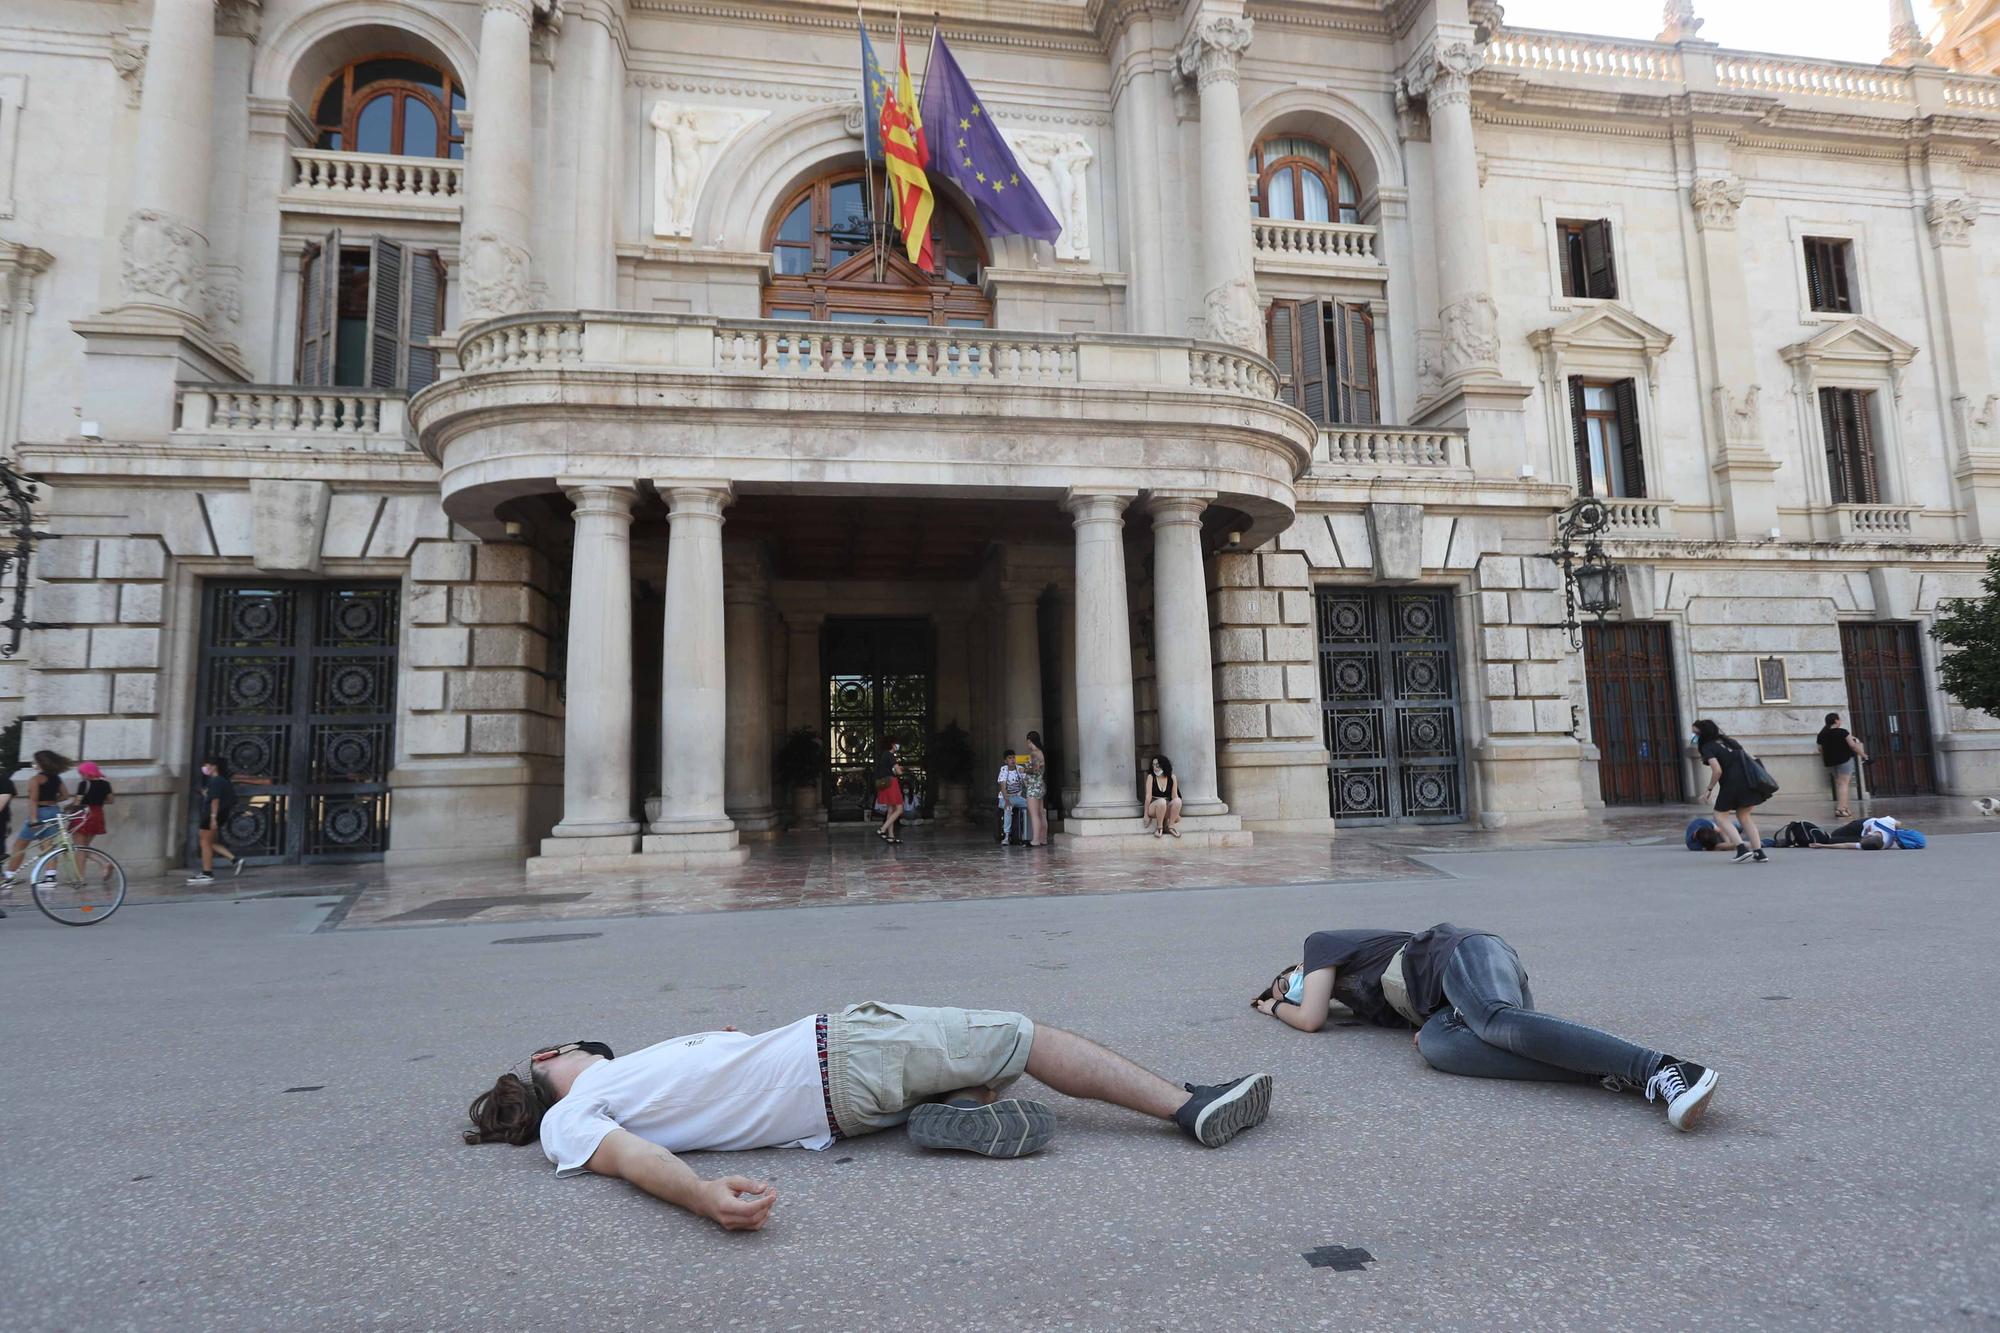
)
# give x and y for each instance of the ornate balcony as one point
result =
(1639, 518)
(1876, 523)
(1389, 451)
(299, 420)
(374, 185)
(1283, 246)
(856, 409)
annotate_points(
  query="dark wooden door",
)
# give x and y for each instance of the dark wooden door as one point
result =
(1389, 704)
(1888, 706)
(298, 697)
(1634, 714)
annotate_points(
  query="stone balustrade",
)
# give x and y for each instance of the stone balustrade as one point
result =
(1389, 449)
(288, 417)
(1570, 53)
(868, 352)
(1639, 518)
(1787, 76)
(1314, 244)
(1972, 94)
(1877, 522)
(369, 182)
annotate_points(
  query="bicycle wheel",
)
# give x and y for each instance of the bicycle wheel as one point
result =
(79, 887)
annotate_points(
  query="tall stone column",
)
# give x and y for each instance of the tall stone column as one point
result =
(1209, 57)
(597, 722)
(1106, 739)
(746, 606)
(1072, 775)
(693, 680)
(499, 167)
(1466, 314)
(593, 263)
(1021, 651)
(1180, 648)
(1138, 115)
(165, 239)
(805, 688)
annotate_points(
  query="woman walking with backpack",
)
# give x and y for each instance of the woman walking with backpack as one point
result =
(1730, 778)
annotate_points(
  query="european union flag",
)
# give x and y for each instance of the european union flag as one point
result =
(966, 147)
(874, 90)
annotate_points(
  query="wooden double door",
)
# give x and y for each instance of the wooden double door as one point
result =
(1634, 712)
(1889, 705)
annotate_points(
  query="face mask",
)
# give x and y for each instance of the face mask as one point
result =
(1297, 990)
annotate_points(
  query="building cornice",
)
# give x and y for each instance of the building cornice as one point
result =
(1018, 24)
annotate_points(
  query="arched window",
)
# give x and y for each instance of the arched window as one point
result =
(391, 104)
(1301, 180)
(822, 266)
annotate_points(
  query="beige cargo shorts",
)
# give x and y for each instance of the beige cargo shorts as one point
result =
(884, 1059)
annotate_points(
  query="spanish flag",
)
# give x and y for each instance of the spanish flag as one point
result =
(904, 152)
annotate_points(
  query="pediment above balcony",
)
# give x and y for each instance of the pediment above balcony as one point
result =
(1857, 340)
(1604, 326)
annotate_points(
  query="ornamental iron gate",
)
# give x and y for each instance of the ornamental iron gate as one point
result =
(1889, 707)
(878, 684)
(1389, 699)
(298, 697)
(1634, 717)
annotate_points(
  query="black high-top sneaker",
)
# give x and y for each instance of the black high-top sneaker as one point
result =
(1685, 1087)
(1218, 1112)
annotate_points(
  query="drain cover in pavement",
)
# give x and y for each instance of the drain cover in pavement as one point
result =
(1340, 1258)
(550, 939)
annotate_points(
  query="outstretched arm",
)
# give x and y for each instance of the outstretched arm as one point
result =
(664, 1176)
(1309, 1014)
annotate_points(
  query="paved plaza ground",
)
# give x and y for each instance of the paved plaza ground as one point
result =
(240, 1110)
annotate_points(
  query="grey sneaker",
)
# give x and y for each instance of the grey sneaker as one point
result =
(200, 877)
(237, 868)
(1010, 1127)
(1217, 1113)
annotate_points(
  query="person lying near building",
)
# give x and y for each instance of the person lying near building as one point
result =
(828, 1076)
(1883, 834)
(1703, 834)
(1466, 994)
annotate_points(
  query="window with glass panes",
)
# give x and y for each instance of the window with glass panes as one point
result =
(1846, 420)
(823, 266)
(1302, 180)
(1325, 355)
(392, 104)
(1604, 427)
(1584, 249)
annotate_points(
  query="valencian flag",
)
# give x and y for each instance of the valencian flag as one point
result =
(968, 149)
(903, 153)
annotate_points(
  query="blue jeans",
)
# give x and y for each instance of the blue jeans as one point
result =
(1492, 1029)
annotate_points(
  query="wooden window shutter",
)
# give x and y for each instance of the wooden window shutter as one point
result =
(1281, 344)
(383, 362)
(1816, 292)
(1631, 450)
(319, 311)
(1565, 234)
(1869, 492)
(1312, 361)
(1580, 435)
(1839, 485)
(1836, 263)
(423, 318)
(1354, 334)
(1600, 276)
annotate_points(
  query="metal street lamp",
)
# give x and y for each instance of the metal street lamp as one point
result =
(18, 494)
(1590, 580)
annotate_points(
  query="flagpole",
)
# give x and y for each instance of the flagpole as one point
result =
(875, 230)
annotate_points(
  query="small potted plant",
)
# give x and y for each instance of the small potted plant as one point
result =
(951, 760)
(801, 761)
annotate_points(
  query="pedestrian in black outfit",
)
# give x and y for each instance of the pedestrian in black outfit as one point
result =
(215, 798)
(1843, 754)
(1729, 778)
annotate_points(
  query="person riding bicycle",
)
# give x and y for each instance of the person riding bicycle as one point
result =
(46, 794)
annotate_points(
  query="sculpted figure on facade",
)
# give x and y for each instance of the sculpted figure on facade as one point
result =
(687, 140)
(1210, 52)
(1716, 199)
(222, 301)
(1442, 76)
(1678, 22)
(1057, 164)
(128, 57)
(494, 272)
(1951, 220)
(1232, 315)
(1985, 433)
(1470, 339)
(1738, 416)
(1412, 123)
(163, 260)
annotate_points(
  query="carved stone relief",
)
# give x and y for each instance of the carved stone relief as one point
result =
(687, 142)
(1430, 364)
(1232, 315)
(1739, 419)
(1470, 340)
(128, 57)
(494, 272)
(163, 260)
(222, 301)
(1678, 22)
(1443, 74)
(1951, 220)
(1413, 122)
(1716, 199)
(1059, 164)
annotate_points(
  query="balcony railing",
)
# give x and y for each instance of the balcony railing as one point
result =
(1570, 53)
(1315, 244)
(1377, 450)
(308, 420)
(1639, 518)
(1877, 522)
(372, 182)
(1786, 76)
(869, 352)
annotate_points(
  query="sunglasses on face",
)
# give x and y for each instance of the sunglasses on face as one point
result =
(525, 1067)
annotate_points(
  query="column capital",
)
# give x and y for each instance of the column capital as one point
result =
(1715, 200)
(704, 498)
(1442, 74)
(595, 496)
(1212, 48)
(523, 10)
(1098, 505)
(1951, 220)
(1174, 507)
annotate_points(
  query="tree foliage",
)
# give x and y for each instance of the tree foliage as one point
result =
(1971, 626)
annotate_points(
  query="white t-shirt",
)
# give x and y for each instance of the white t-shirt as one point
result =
(716, 1091)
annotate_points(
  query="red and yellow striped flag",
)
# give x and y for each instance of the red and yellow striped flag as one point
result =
(904, 152)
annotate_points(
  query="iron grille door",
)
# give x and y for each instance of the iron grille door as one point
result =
(878, 685)
(1634, 717)
(1889, 707)
(297, 694)
(1389, 701)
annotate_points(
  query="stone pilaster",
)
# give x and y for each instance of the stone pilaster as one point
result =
(1021, 655)
(1466, 314)
(495, 269)
(597, 733)
(1209, 57)
(164, 243)
(1181, 648)
(1105, 738)
(805, 688)
(1528, 757)
(746, 611)
(1271, 757)
(1744, 468)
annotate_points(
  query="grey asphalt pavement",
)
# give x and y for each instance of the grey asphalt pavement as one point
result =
(218, 1118)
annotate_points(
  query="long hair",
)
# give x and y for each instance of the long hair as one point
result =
(1035, 739)
(1166, 765)
(1707, 731)
(51, 763)
(510, 1111)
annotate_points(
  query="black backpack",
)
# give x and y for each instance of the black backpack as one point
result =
(1802, 833)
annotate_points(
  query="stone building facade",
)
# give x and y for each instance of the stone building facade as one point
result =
(492, 428)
